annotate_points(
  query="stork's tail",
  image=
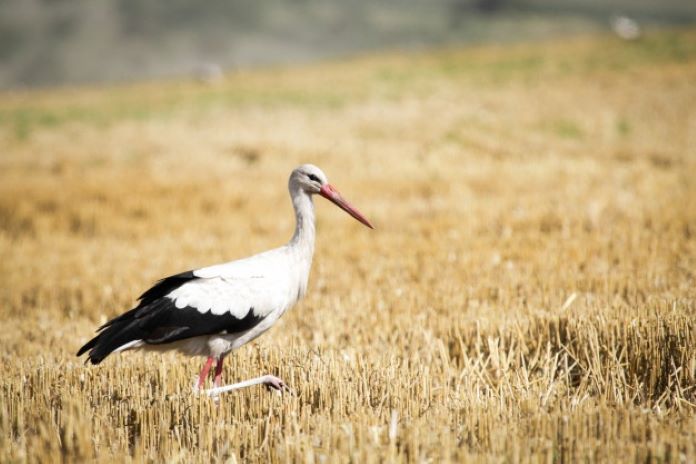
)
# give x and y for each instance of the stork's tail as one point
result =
(113, 335)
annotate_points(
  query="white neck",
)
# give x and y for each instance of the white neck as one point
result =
(302, 241)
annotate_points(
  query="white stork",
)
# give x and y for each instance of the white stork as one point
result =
(214, 310)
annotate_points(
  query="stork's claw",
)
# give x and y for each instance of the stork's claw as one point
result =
(274, 383)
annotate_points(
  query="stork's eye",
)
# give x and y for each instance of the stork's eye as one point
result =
(313, 177)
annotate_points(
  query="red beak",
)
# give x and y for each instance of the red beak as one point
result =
(330, 193)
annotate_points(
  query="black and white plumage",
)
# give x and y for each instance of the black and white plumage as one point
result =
(214, 310)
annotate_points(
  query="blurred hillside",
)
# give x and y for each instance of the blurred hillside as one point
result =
(76, 41)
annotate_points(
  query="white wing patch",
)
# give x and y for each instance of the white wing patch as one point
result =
(263, 265)
(264, 282)
(220, 296)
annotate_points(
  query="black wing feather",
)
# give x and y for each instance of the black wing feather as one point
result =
(156, 320)
(162, 288)
(165, 287)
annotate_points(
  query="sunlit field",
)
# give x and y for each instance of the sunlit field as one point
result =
(528, 293)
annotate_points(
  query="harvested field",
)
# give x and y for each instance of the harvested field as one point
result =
(528, 295)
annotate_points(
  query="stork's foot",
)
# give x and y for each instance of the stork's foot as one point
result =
(274, 383)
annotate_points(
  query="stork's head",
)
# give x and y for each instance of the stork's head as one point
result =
(310, 179)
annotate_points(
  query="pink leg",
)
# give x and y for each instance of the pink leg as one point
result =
(218, 370)
(204, 372)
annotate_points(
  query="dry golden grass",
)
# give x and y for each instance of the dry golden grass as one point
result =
(528, 293)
